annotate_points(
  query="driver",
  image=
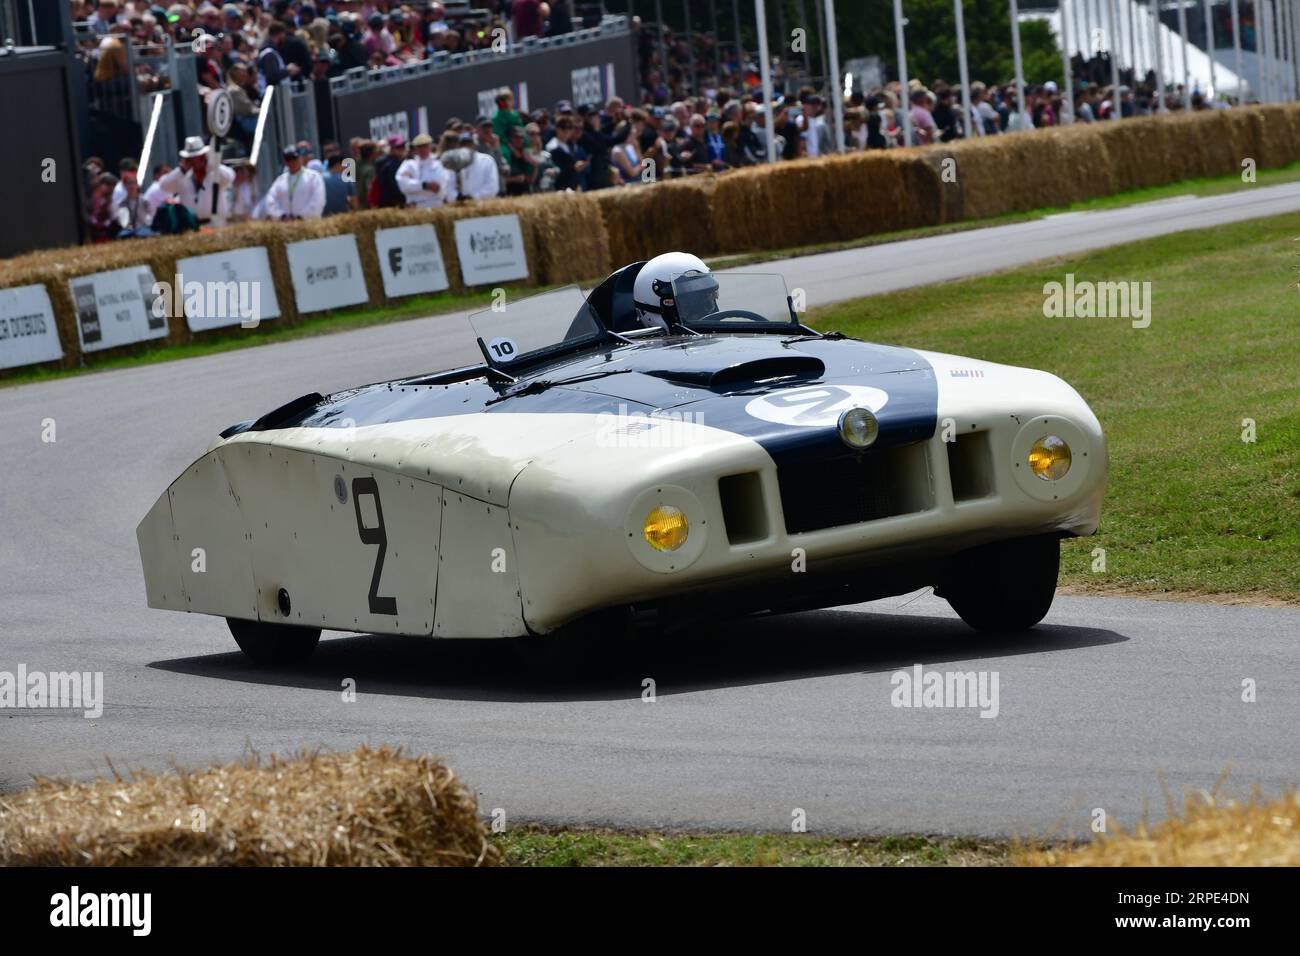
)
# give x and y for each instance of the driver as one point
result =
(673, 288)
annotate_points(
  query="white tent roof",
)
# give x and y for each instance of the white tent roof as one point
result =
(1226, 81)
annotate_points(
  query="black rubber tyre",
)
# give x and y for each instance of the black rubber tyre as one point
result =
(1008, 586)
(274, 645)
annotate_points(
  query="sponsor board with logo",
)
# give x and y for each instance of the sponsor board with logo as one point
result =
(116, 308)
(590, 71)
(27, 331)
(491, 249)
(410, 260)
(326, 273)
(588, 90)
(223, 277)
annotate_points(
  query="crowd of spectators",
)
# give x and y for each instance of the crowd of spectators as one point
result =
(685, 123)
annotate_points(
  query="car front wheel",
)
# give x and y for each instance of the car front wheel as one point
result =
(1007, 586)
(274, 645)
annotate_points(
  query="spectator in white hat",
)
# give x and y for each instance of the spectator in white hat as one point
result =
(197, 186)
(423, 179)
(298, 192)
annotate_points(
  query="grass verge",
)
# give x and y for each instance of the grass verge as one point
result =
(1190, 506)
(539, 846)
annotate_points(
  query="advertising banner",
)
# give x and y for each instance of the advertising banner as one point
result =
(226, 288)
(116, 308)
(326, 273)
(491, 250)
(27, 331)
(410, 260)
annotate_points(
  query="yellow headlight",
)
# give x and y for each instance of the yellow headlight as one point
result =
(1049, 459)
(666, 528)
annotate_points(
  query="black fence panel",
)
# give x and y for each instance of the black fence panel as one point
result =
(402, 101)
(38, 164)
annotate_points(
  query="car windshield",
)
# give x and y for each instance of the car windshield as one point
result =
(519, 331)
(733, 300)
(539, 325)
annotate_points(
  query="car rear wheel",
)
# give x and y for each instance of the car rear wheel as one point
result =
(274, 645)
(1007, 586)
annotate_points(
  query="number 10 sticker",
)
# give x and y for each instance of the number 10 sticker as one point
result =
(502, 349)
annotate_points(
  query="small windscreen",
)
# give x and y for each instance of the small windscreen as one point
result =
(524, 328)
(732, 300)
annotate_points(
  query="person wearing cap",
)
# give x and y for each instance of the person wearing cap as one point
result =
(298, 192)
(377, 39)
(199, 188)
(423, 180)
(386, 192)
(521, 172)
(481, 179)
(489, 143)
(233, 17)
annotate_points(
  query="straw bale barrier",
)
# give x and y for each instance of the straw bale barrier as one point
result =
(643, 221)
(575, 237)
(564, 240)
(1211, 830)
(365, 808)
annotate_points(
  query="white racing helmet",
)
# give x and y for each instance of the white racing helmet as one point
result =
(652, 293)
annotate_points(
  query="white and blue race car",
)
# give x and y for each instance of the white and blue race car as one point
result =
(675, 446)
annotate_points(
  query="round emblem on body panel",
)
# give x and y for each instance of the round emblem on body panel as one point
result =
(340, 489)
(815, 405)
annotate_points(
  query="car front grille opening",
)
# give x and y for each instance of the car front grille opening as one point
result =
(970, 465)
(853, 489)
(743, 511)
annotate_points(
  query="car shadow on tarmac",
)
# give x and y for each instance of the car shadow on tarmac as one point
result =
(752, 651)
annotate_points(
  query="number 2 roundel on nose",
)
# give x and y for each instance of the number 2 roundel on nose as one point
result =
(815, 405)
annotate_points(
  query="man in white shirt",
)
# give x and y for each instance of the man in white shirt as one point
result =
(481, 179)
(298, 192)
(422, 178)
(816, 133)
(204, 190)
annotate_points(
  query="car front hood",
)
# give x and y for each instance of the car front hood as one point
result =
(786, 395)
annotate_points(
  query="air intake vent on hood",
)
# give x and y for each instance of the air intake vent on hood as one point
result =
(746, 373)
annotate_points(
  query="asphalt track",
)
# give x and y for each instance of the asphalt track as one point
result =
(750, 722)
